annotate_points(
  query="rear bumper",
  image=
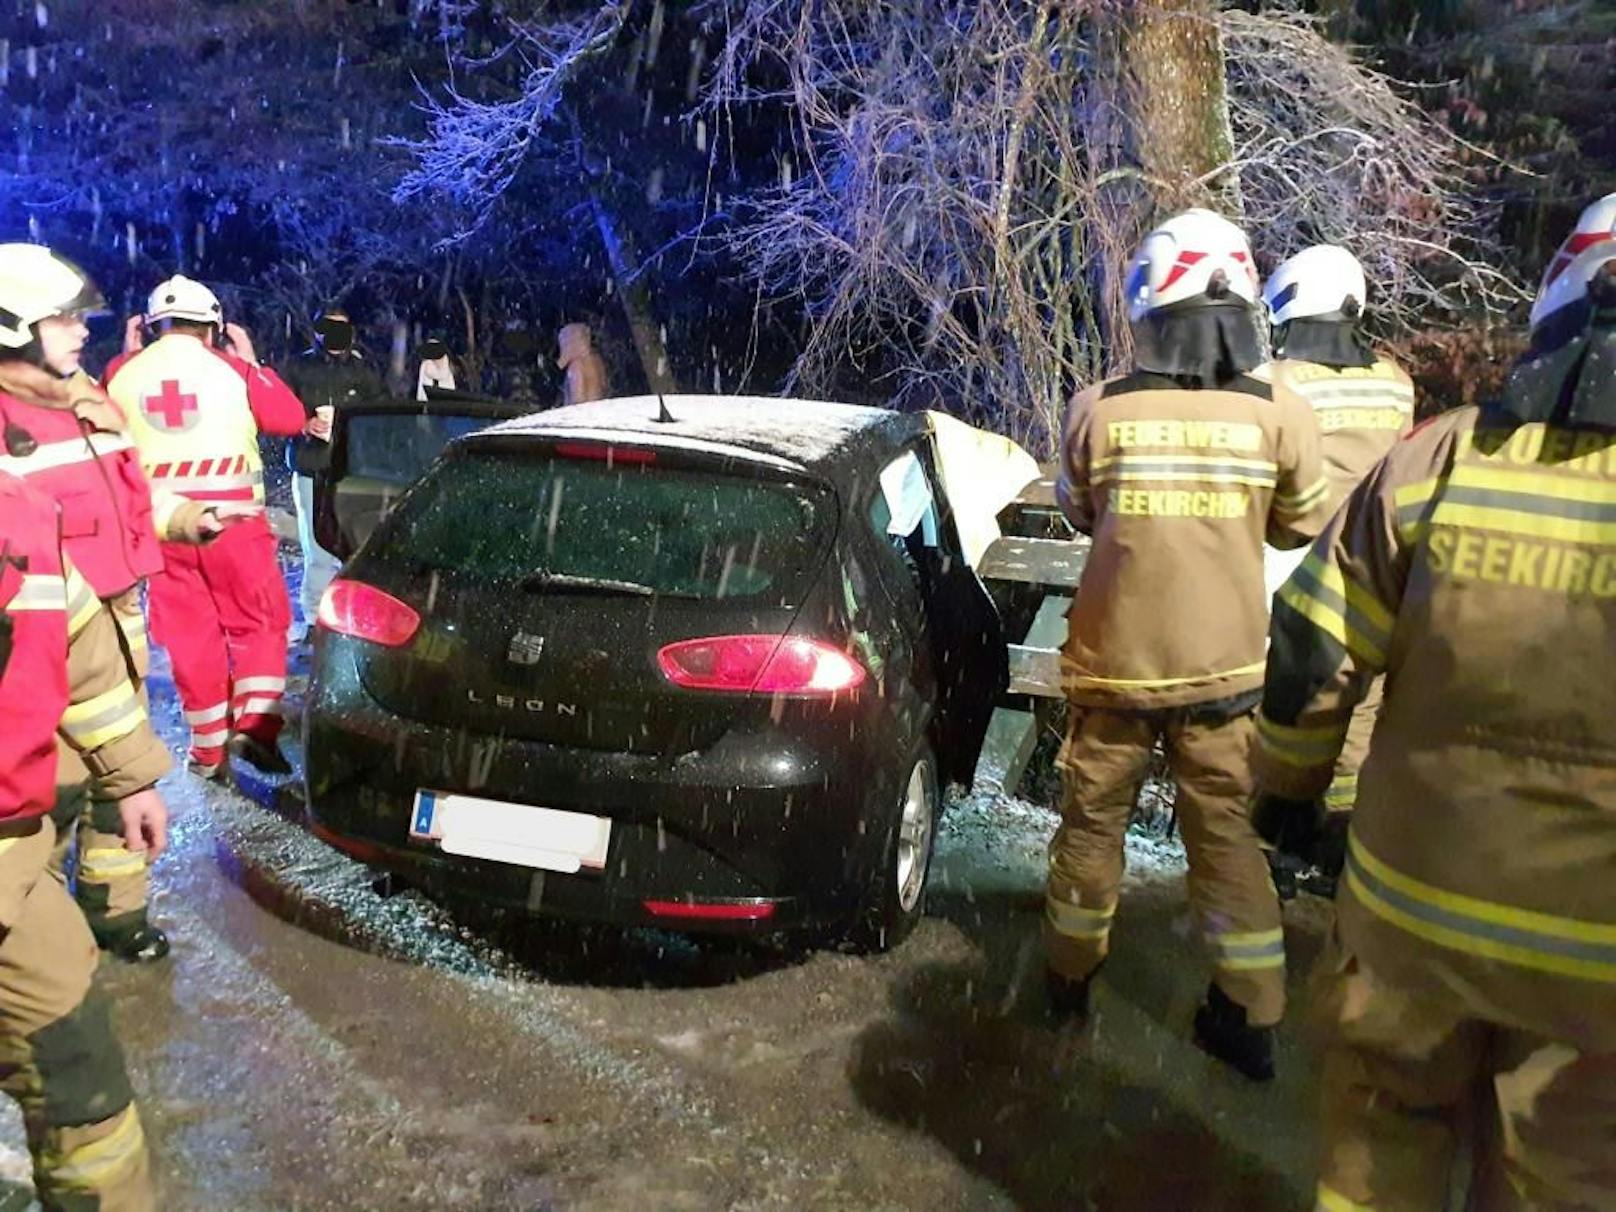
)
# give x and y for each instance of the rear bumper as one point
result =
(768, 825)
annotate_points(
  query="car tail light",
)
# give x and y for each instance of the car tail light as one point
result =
(712, 911)
(357, 609)
(603, 452)
(764, 664)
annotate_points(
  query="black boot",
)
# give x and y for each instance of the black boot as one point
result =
(267, 758)
(1222, 1031)
(1068, 998)
(145, 945)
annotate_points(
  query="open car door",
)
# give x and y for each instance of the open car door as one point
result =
(379, 448)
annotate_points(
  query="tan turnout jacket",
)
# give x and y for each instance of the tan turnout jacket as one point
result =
(1361, 412)
(1476, 568)
(1179, 488)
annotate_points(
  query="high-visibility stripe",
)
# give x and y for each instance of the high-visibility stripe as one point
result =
(1303, 747)
(1380, 393)
(1342, 793)
(1074, 921)
(108, 716)
(262, 705)
(1543, 942)
(1249, 951)
(39, 591)
(207, 715)
(98, 864)
(133, 626)
(1301, 502)
(82, 603)
(49, 455)
(1329, 1200)
(1412, 505)
(1087, 679)
(1346, 610)
(99, 1164)
(210, 734)
(248, 685)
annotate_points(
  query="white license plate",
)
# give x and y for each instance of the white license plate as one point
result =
(545, 839)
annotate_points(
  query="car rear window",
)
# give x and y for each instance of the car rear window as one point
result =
(397, 447)
(677, 531)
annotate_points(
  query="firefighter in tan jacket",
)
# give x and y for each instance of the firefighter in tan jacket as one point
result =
(1179, 471)
(1363, 402)
(1475, 947)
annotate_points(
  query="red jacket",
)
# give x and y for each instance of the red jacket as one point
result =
(64, 670)
(84, 458)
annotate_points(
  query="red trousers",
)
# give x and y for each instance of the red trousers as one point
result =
(222, 612)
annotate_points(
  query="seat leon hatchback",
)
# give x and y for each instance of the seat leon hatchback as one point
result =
(694, 662)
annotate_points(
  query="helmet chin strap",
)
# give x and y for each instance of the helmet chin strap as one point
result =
(1201, 344)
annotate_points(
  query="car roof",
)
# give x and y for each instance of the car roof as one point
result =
(788, 433)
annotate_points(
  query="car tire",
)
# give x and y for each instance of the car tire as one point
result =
(895, 900)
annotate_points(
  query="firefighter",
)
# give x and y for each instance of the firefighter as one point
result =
(1474, 951)
(195, 412)
(63, 671)
(69, 441)
(1364, 402)
(582, 365)
(326, 377)
(1178, 471)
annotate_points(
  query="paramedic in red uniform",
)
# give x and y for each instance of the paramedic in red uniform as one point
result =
(195, 411)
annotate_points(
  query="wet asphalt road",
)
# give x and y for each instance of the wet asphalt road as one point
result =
(424, 1064)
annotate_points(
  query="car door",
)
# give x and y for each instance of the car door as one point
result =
(959, 624)
(380, 448)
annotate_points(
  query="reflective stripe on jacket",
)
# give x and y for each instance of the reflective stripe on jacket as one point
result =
(195, 413)
(1179, 488)
(1476, 567)
(82, 461)
(66, 671)
(1361, 412)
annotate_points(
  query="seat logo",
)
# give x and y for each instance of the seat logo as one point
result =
(525, 649)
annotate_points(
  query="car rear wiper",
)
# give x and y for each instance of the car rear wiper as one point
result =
(567, 583)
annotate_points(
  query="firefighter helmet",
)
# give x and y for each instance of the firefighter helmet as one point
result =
(182, 298)
(1575, 282)
(1595, 225)
(1196, 256)
(1323, 281)
(35, 284)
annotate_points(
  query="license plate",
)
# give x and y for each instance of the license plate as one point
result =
(544, 839)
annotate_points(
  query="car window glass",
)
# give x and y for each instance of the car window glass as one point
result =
(397, 448)
(679, 532)
(907, 500)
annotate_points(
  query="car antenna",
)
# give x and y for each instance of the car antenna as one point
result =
(664, 417)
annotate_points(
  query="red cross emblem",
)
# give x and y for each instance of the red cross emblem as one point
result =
(171, 409)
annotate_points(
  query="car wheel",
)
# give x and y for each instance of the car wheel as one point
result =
(895, 900)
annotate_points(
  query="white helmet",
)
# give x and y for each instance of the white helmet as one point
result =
(36, 284)
(1179, 260)
(1324, 280)
(1596, 224)
(1570, 284)
(182, 298)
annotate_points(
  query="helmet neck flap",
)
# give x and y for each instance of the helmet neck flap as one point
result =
(1568, 376)
(1326, 340)
(1201, 344)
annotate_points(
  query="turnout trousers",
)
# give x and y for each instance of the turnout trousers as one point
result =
(1410, 1076)
(58, 1057)
(110, 883)
(222, 612)
(1103, 764)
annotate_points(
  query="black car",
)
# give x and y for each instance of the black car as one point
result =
(696, 662)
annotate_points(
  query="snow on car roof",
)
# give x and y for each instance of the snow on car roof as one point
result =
(798, 432)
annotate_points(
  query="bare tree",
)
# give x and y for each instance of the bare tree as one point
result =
(973, 173)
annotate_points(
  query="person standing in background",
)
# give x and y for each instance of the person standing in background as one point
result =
(326, 376)
(586, 373)
(436, 368)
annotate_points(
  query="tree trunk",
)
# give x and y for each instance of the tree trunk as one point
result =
(1177, 100)
(635, 298)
